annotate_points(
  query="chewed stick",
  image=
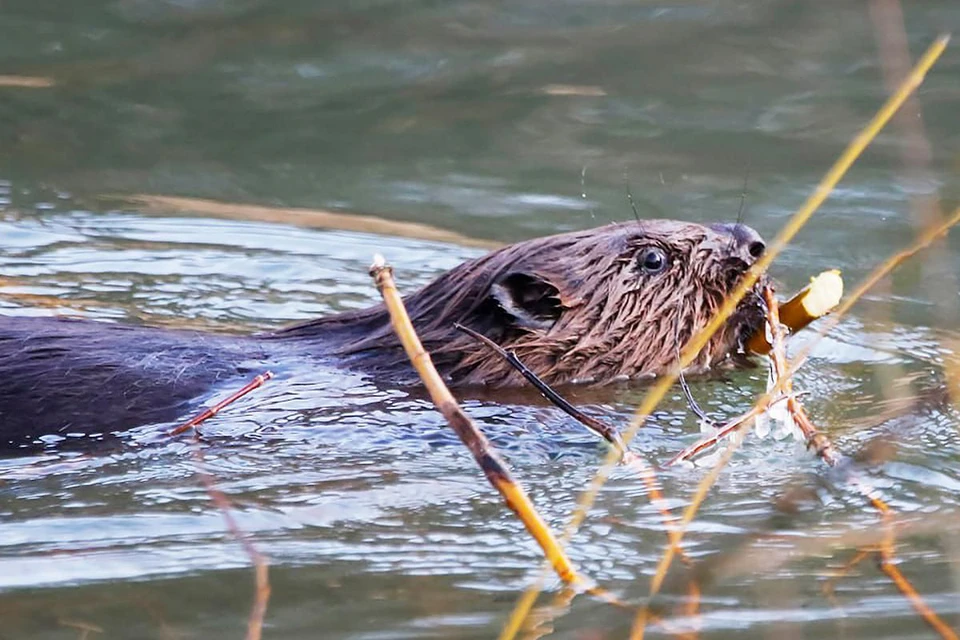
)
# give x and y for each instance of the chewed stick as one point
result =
(814, 301)
(493, 467)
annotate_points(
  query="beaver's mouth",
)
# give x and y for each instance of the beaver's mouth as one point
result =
(750, 316)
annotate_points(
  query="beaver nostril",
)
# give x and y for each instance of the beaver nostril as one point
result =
(744, 240)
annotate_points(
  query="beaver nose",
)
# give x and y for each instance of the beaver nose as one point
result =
(748, 242)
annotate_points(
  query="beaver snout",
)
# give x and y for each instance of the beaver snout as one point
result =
(747, 244)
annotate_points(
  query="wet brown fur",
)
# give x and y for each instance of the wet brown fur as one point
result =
(576, 307)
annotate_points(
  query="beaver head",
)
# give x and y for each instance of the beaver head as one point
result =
(589, 306)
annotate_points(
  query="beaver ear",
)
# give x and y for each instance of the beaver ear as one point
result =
(530, 300)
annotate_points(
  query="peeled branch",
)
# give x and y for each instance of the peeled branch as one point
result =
(814, 301)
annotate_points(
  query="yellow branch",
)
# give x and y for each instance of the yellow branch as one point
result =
(494, 469)
(663, 385)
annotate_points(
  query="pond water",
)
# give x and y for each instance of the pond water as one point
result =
(494, 122)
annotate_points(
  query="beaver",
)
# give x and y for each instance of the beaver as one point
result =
(592, 306)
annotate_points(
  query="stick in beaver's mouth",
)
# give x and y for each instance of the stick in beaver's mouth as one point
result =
(814, 301)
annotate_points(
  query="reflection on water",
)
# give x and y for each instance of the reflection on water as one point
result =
(495, 123)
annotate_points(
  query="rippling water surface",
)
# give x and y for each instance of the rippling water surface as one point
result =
(491, 124)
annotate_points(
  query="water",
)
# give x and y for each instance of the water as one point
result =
(497, 124)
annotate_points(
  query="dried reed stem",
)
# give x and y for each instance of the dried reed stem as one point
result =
(27, 82)
(653, 397)
(610, 434)
(824, 449)
(493, 467)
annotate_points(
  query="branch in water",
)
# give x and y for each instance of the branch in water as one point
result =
(493, 467)
(261, 596)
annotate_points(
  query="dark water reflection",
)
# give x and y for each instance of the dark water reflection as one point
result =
(500, 123)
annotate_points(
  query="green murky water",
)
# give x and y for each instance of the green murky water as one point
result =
(499, 122)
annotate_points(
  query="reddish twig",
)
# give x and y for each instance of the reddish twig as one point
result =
(209, 412)
(261, 571)
(824, 449)
(724, 430)
(813, 438)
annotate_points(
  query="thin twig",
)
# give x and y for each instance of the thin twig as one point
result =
(600, 428)
(799, 219)
(813, 438)
(261, 596)
(606, 431)
(731, 426)
(209, 412)
(824, 449)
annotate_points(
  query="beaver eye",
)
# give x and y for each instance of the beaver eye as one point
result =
(652, 260)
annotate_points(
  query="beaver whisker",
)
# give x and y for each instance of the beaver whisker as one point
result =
(740, 209)
(633, 206)
(692, 403)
